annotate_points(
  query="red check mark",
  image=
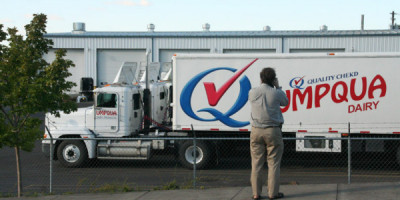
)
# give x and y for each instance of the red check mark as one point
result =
(213, 95)
(297, 82)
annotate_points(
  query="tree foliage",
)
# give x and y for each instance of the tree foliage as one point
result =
(28, 84)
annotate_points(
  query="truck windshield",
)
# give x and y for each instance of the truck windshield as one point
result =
(106, 100)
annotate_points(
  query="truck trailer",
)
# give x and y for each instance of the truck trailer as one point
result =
(334, 95)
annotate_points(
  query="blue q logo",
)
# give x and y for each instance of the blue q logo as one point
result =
(214, 96)
(297, 82)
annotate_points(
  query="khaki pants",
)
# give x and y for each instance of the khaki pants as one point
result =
(265, 143)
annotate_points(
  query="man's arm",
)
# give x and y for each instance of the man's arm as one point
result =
(283, 100)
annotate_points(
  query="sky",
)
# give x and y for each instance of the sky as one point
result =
(190, 15)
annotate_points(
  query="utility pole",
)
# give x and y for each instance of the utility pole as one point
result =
(362, 22)
(393, 14)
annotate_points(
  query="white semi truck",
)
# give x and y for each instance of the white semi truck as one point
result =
(330, 96)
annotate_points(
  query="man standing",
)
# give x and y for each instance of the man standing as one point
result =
(266, 136)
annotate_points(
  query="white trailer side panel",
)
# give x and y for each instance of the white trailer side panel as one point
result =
(325, 91)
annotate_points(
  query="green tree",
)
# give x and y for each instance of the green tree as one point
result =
(28, 85)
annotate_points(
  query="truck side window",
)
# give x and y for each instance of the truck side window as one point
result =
(136, 101)
(162, 95)
(105, 100)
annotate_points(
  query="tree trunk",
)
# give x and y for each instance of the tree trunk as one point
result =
(17, 157)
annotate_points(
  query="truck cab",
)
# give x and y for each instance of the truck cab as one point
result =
(118, 111)
(117, 114)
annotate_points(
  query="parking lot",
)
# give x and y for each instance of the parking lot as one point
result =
(164, 170)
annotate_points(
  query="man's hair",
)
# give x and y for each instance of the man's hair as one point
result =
(268, 76)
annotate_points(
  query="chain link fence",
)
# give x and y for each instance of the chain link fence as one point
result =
(227, 164)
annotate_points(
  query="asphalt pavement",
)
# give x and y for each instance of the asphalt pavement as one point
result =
(359, 191)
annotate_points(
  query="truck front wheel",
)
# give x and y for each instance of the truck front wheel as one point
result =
(203, 154)
(72, 153)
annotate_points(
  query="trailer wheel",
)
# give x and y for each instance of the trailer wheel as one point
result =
(203, 154)
(72, 153)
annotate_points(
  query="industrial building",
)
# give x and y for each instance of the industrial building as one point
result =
(100, 54)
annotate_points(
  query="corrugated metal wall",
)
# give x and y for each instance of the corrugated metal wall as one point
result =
(92, 45)
(220, 44)
(350, 44)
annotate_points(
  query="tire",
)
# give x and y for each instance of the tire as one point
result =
(204, 155)
(72, 153)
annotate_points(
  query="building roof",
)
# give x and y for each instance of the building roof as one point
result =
(317, 33)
